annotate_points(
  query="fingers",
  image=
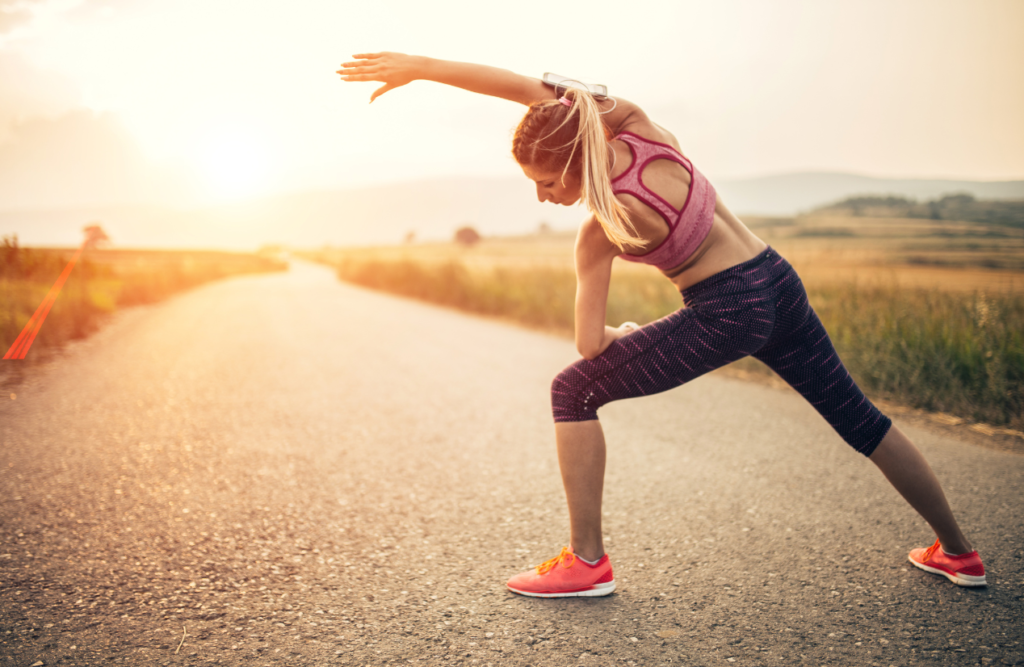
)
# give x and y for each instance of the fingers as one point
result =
(380, 91)
(358, 77)
(365, 60)
(358, 71)
(357, 64)
(371, 67)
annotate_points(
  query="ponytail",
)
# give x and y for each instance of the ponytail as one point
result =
(554, 135)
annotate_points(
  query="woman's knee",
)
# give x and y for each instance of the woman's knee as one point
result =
(571, 397)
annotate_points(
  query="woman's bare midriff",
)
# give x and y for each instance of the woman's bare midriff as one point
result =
(728, 243)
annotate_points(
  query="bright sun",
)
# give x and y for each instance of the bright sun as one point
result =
(234, 163)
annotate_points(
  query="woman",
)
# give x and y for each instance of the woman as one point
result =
(649, 204)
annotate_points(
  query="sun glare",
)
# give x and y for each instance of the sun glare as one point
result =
(234, 163)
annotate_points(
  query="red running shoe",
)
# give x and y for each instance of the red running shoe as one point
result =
(962, 570)
(565, 576)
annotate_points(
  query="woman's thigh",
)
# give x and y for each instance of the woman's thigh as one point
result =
(660, 356)
(806, 359)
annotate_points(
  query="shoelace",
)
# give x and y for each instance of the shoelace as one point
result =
(929, 551)
(549, 565)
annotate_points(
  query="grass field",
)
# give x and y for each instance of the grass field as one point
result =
(933, 254)
(101, 282)
(929, 314)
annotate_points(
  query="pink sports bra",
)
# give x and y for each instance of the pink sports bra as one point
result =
(689, 226)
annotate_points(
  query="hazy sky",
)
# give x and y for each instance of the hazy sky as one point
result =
(187, 101)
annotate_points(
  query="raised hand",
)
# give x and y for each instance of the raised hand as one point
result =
(394, 69)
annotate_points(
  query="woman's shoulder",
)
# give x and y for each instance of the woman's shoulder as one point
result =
(629, 117)
(592, 244)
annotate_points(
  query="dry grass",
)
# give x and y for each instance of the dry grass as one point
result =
(938, 332)
(101, 282)
(944, 255)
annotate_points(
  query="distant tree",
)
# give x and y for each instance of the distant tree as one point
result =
(94, 235)
(952, 206)
(957, 199)
(873, 206)
(467, 236)
(956, 206)
(410, 237)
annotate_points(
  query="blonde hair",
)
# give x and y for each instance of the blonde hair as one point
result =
(553, 136)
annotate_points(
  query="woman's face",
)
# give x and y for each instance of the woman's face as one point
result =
(551, 188)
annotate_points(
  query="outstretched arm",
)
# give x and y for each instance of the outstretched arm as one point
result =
(398, 69)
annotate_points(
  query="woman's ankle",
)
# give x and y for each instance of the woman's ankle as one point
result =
(589, 553)
(956, 547)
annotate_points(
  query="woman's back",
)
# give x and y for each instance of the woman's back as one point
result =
(726, 240)
(688, 222)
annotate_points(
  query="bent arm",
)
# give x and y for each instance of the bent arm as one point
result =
(398, 69)
(594, 256)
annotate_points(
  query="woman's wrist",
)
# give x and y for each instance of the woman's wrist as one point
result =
(423, 67)
(611, 334)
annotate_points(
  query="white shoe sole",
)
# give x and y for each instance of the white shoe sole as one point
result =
(597, 591)
(958, 579)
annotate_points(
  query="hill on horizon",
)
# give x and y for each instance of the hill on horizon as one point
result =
(791, 194)
(959, 207)
(432, 210)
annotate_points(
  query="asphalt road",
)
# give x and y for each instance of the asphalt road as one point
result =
(283, 469)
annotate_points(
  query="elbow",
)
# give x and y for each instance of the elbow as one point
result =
(588, 351)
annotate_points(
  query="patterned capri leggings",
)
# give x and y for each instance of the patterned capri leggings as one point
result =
(755, 308)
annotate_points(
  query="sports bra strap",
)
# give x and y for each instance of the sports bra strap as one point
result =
(688, 226)
(631, 181)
